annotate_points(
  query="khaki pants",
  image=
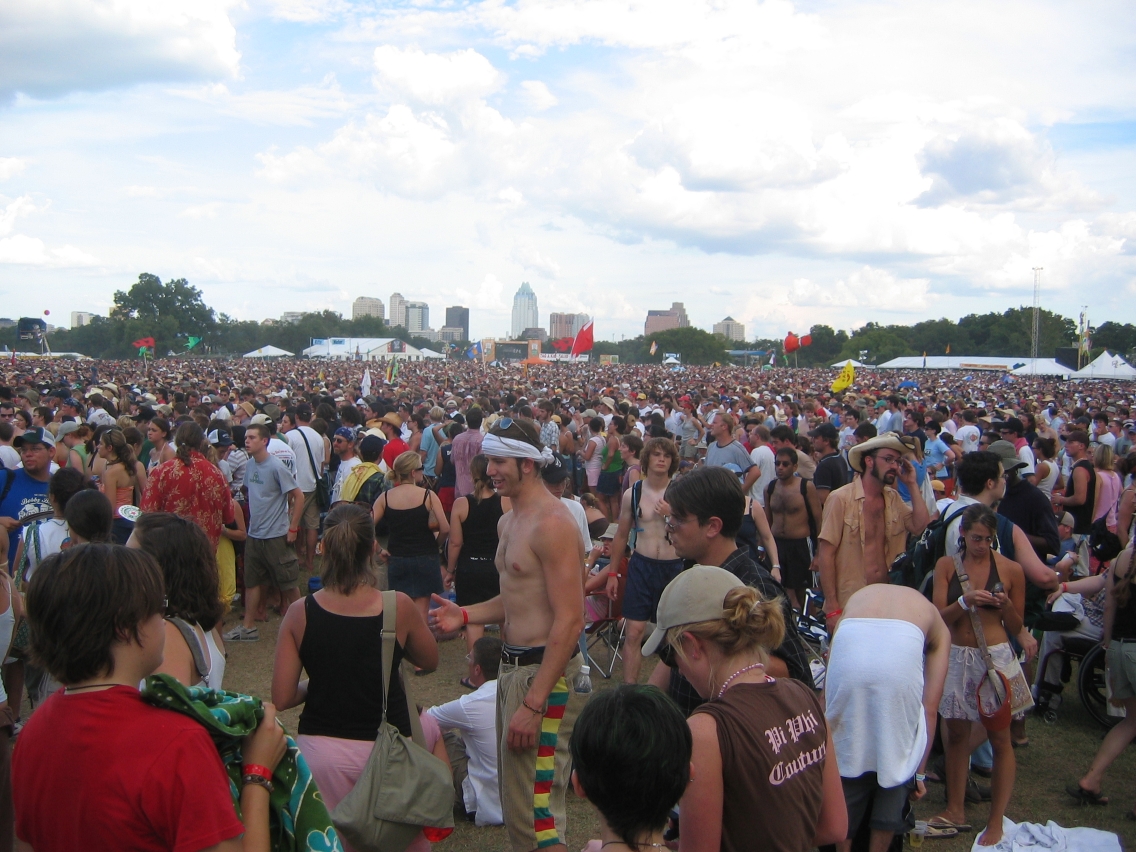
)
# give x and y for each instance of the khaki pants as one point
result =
(533, 782)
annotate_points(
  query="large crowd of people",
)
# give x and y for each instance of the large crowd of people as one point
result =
(839, 595)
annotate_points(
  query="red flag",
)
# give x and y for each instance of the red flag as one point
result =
(148, 342)
(564, 344)
(807, 340)
(792, 343)
(583, 341)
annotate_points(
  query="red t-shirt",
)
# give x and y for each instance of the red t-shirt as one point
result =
(106, 770)
(394, 448)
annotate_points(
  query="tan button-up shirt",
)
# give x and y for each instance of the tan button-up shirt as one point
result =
(843, 528)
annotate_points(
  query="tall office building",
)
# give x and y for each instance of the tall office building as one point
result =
(80, 318)
(525, 313)
(565, 325)
(367, 306)
(417, 316)
(662, 320)
(458, 317)
(397, 310)
(730, 329)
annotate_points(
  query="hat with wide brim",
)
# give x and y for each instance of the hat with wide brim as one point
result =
(889, 441)
(391, 419)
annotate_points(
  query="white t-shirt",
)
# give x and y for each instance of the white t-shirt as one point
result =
(279, 447)
(475, 716)
(9, 457)
(305, 476)
(764, 458)
(345, 468)
(53, 533)
(581, 519)
(968, 436)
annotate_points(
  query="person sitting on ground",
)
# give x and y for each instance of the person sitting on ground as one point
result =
(125, 766)
(631, 753)
(474, 718)
(194, 651)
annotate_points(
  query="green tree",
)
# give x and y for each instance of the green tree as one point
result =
(826, 346)
(162, 311)
(882, 344)
(1115, 337)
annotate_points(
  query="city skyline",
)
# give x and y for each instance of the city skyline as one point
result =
(784, 162)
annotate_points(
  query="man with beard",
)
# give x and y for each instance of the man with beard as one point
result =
(541, 611)
(866, 523)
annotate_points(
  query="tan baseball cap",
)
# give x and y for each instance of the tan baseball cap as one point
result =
(695, 595)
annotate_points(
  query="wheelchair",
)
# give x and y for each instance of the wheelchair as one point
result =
(1091, 689)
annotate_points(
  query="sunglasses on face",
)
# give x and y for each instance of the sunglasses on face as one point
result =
(783, 464)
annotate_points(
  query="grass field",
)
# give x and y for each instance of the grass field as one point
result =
(1057, 754)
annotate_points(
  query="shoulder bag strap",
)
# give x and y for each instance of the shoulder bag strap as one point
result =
(308, 447)
(808, 508)
(8, 485)
(190, 637)
(390, 636)
(976, 623)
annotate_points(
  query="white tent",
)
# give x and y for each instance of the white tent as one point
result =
(1107, 366)
(1042, 367)
(851, 361)
(268, 352)
(671, 360)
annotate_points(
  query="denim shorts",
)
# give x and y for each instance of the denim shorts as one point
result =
(415, 576)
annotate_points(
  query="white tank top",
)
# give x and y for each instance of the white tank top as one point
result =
(1046, 485)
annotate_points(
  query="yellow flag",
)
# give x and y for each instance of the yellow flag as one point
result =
(845, 379)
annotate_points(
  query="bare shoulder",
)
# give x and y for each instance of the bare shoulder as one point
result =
(1010, 568)
(703, 729)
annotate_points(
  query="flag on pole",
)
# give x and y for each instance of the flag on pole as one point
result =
(13, 357)
(845, 379)
(924, 359)
(143, 343)
(584, 340)
(654, 347)
(392, 371)
(192, 341)
(474, 351)
(948, 349)
(365, 385)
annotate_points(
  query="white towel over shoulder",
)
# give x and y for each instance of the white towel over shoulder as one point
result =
(874, 699)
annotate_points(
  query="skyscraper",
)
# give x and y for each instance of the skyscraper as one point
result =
(730, 329)
(525, 313)
(367, 306)
(397, 310)
(417, 316)
(565, 325)
(458, 317)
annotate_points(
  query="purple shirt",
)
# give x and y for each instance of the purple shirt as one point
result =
(465, 447)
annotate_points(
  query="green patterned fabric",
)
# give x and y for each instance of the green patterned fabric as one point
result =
(298, 819)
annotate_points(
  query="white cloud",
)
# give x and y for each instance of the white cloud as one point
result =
(30, 251)
(298, 107)
(51, 47)
(865, 288)
(308, 11)
(10, 166)
(537, 95)
(435, 79)
(532, 260)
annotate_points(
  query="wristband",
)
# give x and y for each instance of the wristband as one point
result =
(293, 529)
(530, 708)
(778, 567)
(962, 603)
(465, 616)
(259, 781)
(919, 777)
(834, 613)
(1064, 587)
(257, 769)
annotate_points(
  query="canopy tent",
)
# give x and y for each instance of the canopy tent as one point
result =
(671, 360)
(851, 361)
(268, 352)
(1042, 367)
(1107, 366)
(536, 361)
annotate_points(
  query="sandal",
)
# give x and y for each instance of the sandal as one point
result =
(1085, 797)
(943, 822)
(940, 832)
(465, 682)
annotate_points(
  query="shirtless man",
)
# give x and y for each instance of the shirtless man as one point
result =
(541, 610)
(890, 654)
(866, 523)
(793, 509)
(653, 562)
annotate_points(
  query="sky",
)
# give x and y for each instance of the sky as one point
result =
(783, 163)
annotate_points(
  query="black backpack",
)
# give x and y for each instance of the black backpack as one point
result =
(912, 567)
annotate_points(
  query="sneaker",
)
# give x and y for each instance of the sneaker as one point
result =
(240, 633)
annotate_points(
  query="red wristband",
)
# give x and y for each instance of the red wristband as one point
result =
(257, 769)
(834, 613)
(465, 616)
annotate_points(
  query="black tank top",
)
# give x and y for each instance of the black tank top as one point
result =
(954, 588)
(343, 656)
(1124, 621)
(479, 529)
(410, 533)
(1083, 514)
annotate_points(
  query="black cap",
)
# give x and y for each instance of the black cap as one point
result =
(554, 472)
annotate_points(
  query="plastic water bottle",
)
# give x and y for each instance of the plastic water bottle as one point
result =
(582, 683)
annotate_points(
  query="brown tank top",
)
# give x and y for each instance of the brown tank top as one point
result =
(773, 740)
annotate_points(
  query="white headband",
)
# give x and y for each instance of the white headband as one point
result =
(511, 448)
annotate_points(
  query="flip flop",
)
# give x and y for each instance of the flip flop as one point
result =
(465, 682)
(1085, 797)
(943, 822)
(1019, 743)
(940, 832)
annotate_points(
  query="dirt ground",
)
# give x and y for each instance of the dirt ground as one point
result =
(1057, 754)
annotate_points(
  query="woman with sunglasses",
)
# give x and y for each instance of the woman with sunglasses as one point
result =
(997, 594)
